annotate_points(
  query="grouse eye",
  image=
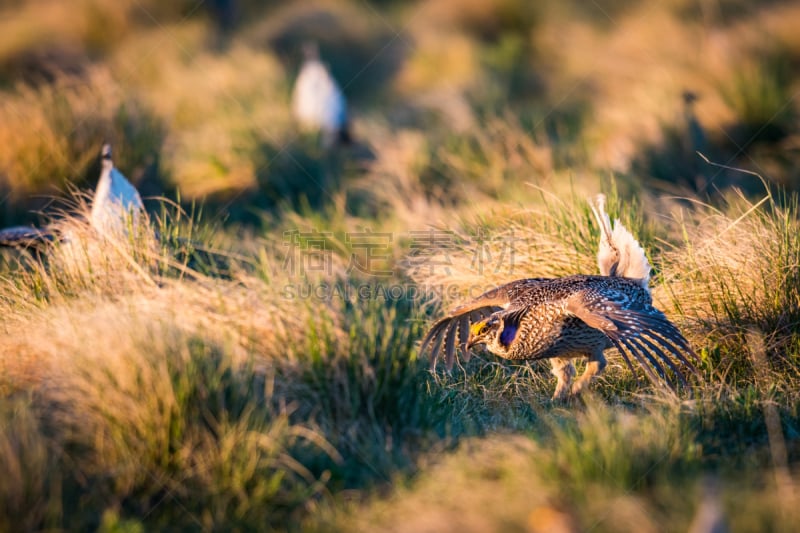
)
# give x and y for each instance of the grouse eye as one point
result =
(479, 328)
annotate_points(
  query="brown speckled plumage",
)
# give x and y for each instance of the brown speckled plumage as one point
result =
(575, 316)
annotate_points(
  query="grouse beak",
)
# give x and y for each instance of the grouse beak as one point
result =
(472, 343)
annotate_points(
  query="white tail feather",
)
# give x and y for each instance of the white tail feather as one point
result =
(619, 253)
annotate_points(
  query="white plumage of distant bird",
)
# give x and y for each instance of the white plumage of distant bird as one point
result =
(116, 201)
(318, 104)
(116, 207)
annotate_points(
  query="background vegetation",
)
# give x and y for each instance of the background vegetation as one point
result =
(255, 366)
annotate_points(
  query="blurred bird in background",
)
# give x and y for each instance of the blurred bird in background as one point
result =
(318, 104)
(116, 201)
(695, 142)
(116, 207)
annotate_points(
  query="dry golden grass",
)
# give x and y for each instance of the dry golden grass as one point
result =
(48, 132)
(638, 70)
(550, 237)
(157, 377)
(152, 383)
(494, 464)
(570, 482)
(736, 273)
(218, 117)
(90, 284)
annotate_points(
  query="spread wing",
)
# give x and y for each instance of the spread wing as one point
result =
(638, 330)
(453, 329)
(25, 237)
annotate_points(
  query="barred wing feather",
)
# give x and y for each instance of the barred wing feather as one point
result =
(640, 332)
(449, 329)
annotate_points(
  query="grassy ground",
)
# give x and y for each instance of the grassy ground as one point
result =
(255, 365)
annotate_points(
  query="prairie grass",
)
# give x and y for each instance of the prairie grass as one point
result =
(754, 243)
(52, 136)
(246, 362)
(163, 394)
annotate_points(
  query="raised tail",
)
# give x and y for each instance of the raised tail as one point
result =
(619, 253)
